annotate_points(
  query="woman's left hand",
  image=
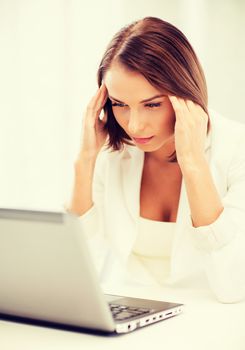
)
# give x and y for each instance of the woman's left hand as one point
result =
(190, 131)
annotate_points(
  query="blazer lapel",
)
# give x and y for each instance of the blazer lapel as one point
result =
(125, 221)
(131, 170)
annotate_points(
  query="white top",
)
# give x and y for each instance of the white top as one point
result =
(149, 261)
(215, 250)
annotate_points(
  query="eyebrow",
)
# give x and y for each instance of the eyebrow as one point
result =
(143, 101)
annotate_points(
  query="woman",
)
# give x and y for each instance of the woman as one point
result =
(160, 179)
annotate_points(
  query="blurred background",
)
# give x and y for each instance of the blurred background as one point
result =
(49, 55)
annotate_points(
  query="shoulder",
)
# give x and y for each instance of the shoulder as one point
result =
(110, 158)
(108, 154)
(226, 126)
(227, 135)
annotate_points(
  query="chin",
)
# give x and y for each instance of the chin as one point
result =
(160, 147)
(148, 148)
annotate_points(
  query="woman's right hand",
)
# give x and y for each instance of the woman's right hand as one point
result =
(93, 134)
(92, 139)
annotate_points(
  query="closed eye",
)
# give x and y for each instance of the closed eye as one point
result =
(150, 105)
(116, 104)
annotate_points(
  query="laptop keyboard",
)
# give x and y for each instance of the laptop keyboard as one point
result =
(122, 312)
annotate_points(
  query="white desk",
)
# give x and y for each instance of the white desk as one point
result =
(204, 325)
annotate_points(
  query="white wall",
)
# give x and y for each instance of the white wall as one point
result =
(49, 54)
(32, 103)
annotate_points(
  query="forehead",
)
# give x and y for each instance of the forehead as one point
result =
(126, 85)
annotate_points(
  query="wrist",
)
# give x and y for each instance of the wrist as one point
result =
(84, 166)
(85, 157)
(191, 165)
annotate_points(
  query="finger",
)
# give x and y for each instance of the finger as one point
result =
(99, 115)
(183, 104)
(177, 106)
(189, 109)
(98, 98)
(196, 109)
(193, 107)
(174, 102)
(96, 104)
(103, 96)
(190, 104)
(103, 117)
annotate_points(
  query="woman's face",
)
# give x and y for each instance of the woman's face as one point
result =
(145, 113)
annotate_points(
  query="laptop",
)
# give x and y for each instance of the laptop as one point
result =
(47, 274)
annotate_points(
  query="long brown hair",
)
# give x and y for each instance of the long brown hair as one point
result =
(163, 55)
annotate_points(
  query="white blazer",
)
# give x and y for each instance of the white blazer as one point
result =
(218, 249)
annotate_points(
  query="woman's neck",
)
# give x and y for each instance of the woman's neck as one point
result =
(165, 154)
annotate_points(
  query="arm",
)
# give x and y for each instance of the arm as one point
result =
(204, 200)
(222, 243)
(86, 197)
(88, 190)
(81, 200)
(190, 135)
(92, 140)
(218, 226)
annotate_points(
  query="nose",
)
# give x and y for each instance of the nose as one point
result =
(135, 124)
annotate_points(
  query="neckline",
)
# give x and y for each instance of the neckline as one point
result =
(156, 221)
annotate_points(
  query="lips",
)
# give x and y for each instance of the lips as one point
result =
(142, 140)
